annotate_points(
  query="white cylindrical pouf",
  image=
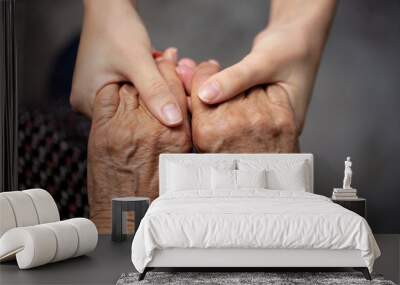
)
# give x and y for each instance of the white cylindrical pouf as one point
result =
(34, 245)
(46, 208)
(67, 239)
(40, 244)
(23, 208)
(7, 218)
(87, 235)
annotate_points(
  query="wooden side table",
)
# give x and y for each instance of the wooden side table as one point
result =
(358, 206)
(120, 207)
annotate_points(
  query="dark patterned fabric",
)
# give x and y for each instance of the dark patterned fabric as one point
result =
(46, 159)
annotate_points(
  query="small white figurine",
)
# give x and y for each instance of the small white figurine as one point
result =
(348, 173)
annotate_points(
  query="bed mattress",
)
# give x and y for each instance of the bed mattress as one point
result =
(252, 219)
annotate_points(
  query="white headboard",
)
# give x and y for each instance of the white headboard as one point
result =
(211, 157)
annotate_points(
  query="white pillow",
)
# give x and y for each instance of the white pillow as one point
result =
(234, 179)
(281, 175)
(181, 178)
(251, 178)
(223, 179)
(186, 174)
(292, 179)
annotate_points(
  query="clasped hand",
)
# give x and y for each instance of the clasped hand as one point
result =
(126, 139)
(256, 105)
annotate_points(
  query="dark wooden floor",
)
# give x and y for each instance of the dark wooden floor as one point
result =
(110, 260)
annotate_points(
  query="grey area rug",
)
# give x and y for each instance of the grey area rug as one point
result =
(233, 278)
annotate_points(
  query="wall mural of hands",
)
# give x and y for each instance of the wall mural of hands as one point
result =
(139, 106)
(126, 139)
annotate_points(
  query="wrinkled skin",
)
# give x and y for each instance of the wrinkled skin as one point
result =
(261, 120)
(126, 140)
(124, 144)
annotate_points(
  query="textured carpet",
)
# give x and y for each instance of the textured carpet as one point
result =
(232, 278)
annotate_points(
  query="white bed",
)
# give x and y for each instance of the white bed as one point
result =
(203, 225)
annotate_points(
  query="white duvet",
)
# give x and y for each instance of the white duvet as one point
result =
(250, 219)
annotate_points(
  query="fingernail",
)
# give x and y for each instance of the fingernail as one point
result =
(171, 113)
(209, 92)
(213, 61)
(180, 70)
(187, 62)
(171, 54)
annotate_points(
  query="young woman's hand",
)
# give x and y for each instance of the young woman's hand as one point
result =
(286, 54)
(115, 47)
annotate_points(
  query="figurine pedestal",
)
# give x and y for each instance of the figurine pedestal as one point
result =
(344, 189)
(344, 194)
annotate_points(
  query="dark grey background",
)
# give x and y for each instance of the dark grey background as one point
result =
(356, 101)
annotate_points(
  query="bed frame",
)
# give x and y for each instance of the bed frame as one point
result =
(243, 259)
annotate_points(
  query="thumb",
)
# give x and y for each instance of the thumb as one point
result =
(154, 90)
(106, 103)
(233, 80)
(185, 71)
(202, 72)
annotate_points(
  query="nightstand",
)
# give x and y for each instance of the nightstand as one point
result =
(358, 206)
(120, 208)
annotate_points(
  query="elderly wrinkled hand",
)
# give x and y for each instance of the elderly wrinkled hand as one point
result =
(260, 120)
(125, 142)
